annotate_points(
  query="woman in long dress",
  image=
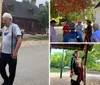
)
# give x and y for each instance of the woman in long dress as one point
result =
(76, 69)
(88, 32)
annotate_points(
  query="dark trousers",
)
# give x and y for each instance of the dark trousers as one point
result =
(7, 59)
(73, 82)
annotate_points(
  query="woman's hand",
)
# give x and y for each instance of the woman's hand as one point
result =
(73, 73)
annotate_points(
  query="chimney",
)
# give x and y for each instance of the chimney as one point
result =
(31, 11)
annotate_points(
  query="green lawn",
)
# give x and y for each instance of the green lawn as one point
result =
(57, 70)
(0, 38)
(36, 38)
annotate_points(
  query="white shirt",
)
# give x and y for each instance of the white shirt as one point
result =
(7, 37)
(53, 34)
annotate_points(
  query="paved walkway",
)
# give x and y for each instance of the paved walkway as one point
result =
(32, 68)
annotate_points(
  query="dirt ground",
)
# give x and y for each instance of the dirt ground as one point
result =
(92, 79)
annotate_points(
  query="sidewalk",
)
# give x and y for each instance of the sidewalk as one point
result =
(32, 67)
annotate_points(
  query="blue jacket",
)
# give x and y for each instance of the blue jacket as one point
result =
(73, 35)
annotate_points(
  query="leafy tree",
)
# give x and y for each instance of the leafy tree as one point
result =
(73, 10)
(56, 60)
(67, 6)
(93, 57)
(44, 17)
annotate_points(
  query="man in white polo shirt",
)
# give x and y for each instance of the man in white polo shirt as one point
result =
(11, 41)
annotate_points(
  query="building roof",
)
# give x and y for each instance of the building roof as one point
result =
(98, 5)
(71, 46)
(21, 10)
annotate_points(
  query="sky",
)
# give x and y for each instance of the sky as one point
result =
(56, 50)
(38, 2)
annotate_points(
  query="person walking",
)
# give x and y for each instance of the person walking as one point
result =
(11, 42)
(76, 69)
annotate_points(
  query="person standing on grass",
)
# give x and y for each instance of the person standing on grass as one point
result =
(11, 42)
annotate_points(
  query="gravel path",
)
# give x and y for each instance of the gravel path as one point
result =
(92, 79)
(34, 42)
(30, 43)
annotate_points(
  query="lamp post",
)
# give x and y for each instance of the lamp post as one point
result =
(62, 64)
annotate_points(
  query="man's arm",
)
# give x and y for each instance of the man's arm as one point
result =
(18, 44)
(2, 29)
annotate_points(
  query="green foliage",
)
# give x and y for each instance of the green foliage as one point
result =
(57, 19)
(35, 38)
(54, 13)
(93, 56)
(66, 18)
(26, 1)
(77, 15)
(44, 17)
(56, 60)
(57, 70)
